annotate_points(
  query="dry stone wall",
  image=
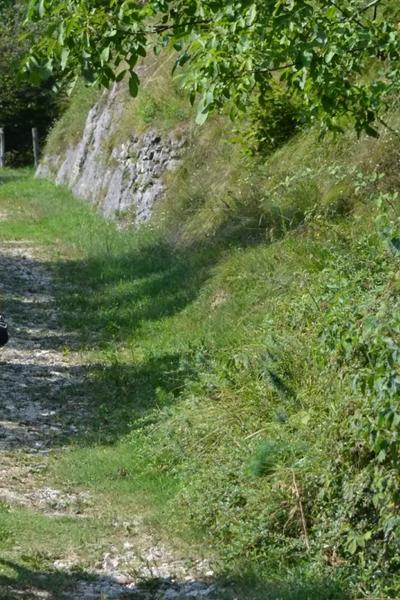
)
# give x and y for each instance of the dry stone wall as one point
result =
(126, 182)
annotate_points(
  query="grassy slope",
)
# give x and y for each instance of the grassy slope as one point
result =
(222, 388)
(228, 335)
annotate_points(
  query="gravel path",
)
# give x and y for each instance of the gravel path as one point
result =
(41, 412)
(36, 407)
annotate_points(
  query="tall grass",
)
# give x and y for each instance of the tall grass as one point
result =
(220, 390)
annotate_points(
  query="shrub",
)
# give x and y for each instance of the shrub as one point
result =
(23, 105)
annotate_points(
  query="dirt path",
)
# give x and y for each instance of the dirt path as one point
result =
(41, 412)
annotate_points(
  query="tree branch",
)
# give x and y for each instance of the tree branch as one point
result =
(347, 15)
(388, 127)
(301, 511)
(372, 4)
(272, 69)
(162, 28)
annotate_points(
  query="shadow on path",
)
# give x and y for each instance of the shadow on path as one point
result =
(48, 397)
(52, 404)
(31, 584)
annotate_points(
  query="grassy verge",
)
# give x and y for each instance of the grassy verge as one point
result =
(239, 379)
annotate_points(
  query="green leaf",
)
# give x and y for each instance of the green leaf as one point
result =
(251, 15)
(371, 131)
(133, 84)
(42, 8)
(201, 117)
(105, 54)
(329, 56)
(64, 57)
(121, 75)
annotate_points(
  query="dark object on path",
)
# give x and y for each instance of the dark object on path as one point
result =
(3, 331)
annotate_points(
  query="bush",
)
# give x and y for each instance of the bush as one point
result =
(273, 120)
(22, 104)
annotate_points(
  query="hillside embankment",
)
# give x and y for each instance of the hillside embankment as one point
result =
(116, 154)
(128, 182)
(244, 355)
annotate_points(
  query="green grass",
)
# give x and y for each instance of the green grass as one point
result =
(159, 105)
(68, 129)
(30, 543)
(227, 347)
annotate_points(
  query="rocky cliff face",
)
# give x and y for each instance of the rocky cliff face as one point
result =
(128, 179)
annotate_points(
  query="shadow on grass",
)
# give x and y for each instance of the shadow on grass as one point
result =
(48, 400)
(44, 406)
(129, 283)
(32, 583)
(9, 175)
(104, 299)
(136, 286)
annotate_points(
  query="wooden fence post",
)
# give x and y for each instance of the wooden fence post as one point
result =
(36, 147)
(2, 148)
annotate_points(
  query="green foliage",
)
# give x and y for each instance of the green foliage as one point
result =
(361, 339)
(264, 460)
(272, 122)
(22, 105)
(316, 53)
(247, 385)
(68, 129)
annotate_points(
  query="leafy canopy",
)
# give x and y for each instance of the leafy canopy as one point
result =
(339, 60)
(22, 105)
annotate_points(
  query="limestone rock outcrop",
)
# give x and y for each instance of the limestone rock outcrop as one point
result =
(126, 180)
